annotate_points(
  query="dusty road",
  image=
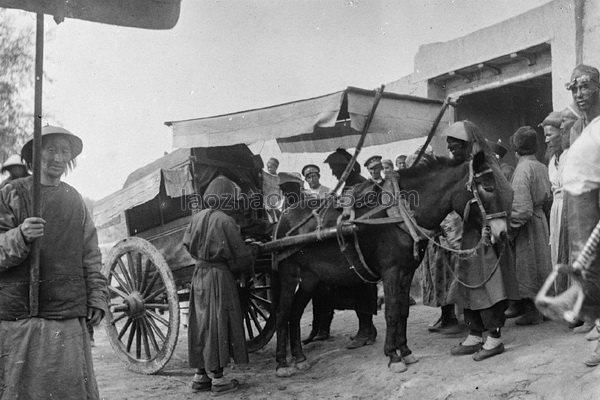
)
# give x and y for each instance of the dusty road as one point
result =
(540, 362)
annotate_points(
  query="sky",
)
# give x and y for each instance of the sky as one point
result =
(115, 86)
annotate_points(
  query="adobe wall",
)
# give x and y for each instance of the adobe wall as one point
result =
(553, 23)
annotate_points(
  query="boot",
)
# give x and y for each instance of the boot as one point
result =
(447, 324)
(531, 315)
(366, 331)
(514, 309)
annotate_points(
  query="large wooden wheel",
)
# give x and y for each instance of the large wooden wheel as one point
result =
(143, 319)
(256, 299)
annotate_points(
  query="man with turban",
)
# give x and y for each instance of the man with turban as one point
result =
(529, 226)
(215, 330)
(581, 181)
(585, 89)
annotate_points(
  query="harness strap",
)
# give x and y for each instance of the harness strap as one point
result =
(357, 263)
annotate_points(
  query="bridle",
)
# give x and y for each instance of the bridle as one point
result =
(472, 183)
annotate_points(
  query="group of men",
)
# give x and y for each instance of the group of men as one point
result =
(543, 229)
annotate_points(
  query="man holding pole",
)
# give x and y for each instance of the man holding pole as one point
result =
(46, 354)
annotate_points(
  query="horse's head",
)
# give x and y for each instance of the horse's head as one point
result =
(491, 195)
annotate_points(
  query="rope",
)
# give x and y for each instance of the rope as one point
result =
(485, 280)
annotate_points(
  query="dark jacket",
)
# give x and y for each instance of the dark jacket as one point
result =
(70, 260)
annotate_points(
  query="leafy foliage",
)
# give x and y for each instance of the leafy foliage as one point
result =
(16, 85)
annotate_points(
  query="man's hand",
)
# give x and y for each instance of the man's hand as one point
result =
(94, 315)
(32, 228)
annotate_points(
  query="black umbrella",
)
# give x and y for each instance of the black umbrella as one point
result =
(147, 14)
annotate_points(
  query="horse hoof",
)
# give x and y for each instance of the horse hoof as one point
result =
(303, 365)
(285, 372)
(410, 359)
(398, 367)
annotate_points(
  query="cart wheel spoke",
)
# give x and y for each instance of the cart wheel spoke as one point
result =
(153, 295)
(125, 273)
(138, 269)
(118, 292)
(131, 335)
(145, 339)
(154, 306)
(261, 300)
(158, 318)
(124, 329)
(138, 340)
(147, 269)
(156, 329)
(120, 281)
(151, 335)
(248, 326)
(150, 286)
(117, 319)
(258, 310)
(131, 265)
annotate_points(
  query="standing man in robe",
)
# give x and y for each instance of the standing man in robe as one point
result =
(215, 330)
(529, 226)
(48, 355)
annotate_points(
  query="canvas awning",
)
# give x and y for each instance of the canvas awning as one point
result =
(143, 184)
(147, 14)
(319, 124)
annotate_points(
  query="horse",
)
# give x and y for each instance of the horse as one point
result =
(440, 187)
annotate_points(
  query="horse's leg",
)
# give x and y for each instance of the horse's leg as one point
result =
(301, 299)
(393, 292)
(405, 277)
(288, 282)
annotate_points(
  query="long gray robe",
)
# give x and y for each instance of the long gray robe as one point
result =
(215, 330)
(528, 221)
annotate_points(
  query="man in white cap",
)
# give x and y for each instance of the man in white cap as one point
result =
(312, 175)
(48, 355)
(15, 167)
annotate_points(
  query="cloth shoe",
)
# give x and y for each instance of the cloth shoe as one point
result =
(221, 389)
(472, 344)
(584, 328)
(201, 383)
(592, 360)
(593, 334)
(485, 353)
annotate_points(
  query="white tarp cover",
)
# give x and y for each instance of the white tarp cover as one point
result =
(316, 125)
(251, 126)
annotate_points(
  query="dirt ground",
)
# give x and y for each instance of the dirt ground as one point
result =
(540, 362)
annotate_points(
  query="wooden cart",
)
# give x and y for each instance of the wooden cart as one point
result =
(141, 229)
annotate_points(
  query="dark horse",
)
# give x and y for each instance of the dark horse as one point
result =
(440, 187)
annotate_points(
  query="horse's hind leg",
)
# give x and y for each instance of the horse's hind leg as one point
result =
(393, 294)
(301, 299)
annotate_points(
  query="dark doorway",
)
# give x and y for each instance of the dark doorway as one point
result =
(500, 112)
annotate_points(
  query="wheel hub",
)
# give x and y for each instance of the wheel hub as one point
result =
(135, 305)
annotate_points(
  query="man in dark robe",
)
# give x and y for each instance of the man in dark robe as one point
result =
(215, 330)
(48, 355)
(361, 298)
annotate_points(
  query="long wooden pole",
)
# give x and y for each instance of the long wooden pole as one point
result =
(436, 122)
(34, 272)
